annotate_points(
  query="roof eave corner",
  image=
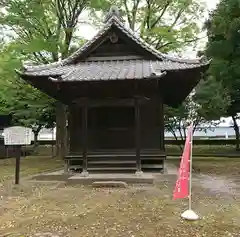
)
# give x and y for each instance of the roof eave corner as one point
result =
(55, 79)
(160, 74)
(27, 65)
(19, 72)
(204, 61)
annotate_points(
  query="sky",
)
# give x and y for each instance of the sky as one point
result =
(89, 32)
(211, 3)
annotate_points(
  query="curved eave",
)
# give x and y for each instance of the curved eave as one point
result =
(178, 85)
(75, 78)
(44, 84)
(175, 84)
(96, 69)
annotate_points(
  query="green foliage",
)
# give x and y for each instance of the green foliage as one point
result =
(29, 106)
(45, 29)
(212, 99)
(223, 47)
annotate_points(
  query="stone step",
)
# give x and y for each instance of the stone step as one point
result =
(152, 166)
(111, 162)
(105, 155)
(110, 168)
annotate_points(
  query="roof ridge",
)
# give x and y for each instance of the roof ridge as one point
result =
(113, 11)
(113, 20)
(161, 55)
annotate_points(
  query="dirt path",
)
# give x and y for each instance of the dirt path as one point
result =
(219, 185)
(215, 184)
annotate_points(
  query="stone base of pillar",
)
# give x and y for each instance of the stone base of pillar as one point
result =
(138, 173)
(66, 168)
(84, 173)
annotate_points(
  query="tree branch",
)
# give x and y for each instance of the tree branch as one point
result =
(134, 13)
(163, 10)
(158, 47)
(128, 13)
(176, 18)
(148, 13)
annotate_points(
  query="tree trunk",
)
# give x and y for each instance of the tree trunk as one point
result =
(236, 129)
(35, 133)
(61, 134)
(176, 138)
(35, 143)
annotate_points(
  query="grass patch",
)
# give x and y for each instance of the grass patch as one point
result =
(48, 150)
(219, 166)
(28, 166)
(213, 165)
(204, 150)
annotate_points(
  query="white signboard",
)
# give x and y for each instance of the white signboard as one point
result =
(17, 135)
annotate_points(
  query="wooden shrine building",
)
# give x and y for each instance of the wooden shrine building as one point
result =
(115, 87)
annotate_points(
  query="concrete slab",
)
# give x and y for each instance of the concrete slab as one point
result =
(57, 172)
(127, 178)
(58, 175)
(77, 178)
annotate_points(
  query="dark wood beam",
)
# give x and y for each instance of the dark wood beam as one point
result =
(85, 136)
(161, 114)
(109, 102)
(137, 134)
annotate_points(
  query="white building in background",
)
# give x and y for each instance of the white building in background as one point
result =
(47, 134)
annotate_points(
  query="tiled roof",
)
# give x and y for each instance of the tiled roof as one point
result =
(110, 70)
(114, 21)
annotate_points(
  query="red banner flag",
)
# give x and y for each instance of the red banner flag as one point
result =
(182, 185)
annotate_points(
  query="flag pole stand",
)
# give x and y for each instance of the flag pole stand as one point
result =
(190, 214)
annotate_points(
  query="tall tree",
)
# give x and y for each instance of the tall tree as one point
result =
(168, 25)
(223, 47)
(46, 31)
(27, 105)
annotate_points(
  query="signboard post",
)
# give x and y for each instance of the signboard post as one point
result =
(17, 168)
(17, 136)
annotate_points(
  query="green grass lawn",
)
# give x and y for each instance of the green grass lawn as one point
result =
(204, 150)
(138, 211)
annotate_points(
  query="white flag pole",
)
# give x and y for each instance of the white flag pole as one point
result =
(190, 171)
(190, 214)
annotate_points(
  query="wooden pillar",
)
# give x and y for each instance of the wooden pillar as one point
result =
(161, 113)
(162, 138)
(137, 134)
(84, 136)
(61, 130)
